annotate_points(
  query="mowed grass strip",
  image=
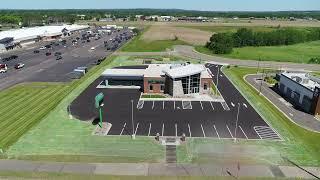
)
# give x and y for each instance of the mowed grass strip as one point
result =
(25, 105)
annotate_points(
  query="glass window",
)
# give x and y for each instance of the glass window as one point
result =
(151, 87)
(205, 86)
(162, 87)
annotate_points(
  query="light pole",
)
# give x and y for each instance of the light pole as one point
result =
(217, 81)
(235, 129)
(133, 135)
(260, 88)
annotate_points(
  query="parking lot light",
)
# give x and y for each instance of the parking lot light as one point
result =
(235, 130)
(133, 135)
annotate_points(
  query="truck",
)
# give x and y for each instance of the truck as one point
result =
(3, 68)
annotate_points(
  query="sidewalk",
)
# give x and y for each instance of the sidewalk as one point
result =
(146, 169)
(300, 118)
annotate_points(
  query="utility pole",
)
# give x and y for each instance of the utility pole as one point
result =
(235, 130)
(258, 65)
(133, 135)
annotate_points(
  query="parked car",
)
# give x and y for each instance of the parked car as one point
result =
(36, 51)
(19, 66)
(57, 53)
(58, 58)
(48, 54)
(42, 48)
(92, 48)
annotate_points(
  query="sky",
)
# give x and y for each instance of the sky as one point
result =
(208, 5)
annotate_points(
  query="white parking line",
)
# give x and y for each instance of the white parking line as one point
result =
(211, 106)
(189, 130)
(162, 104)
(201, 105)
(123, 128)
(216, 131)
(152, 104)
(162, 129)
(176, 130)
(232, 104)
(243, 132)
(140, 104)
(204, 135)
(229, 131)
(244, 104)
(149, 129)
(136, 129)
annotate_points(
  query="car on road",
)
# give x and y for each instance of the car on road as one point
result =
(57, 53)
(19, 66)
(36, 51)
(58, 58)
(92, 48)
(3, 68)
(42, 48)
(48, 54)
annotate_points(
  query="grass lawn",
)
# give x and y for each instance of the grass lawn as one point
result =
(59, 138)
(298, 53)
(137, 44)
(231, 29)
(299, 145)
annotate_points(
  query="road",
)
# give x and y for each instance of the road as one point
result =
(189, 52)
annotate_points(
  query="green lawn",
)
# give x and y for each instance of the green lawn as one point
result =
(299, 145)
(298, 53)
(137, 44)
(222, 29)
(58, 138)
(24, 105)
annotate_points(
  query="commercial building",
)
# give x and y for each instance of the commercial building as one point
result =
(301, 89)
(30, 35)
(176, 80)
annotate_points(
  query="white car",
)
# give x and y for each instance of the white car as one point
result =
(93, 48)
(19, 66)
(42, 48)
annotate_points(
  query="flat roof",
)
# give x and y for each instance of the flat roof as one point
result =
(304, 79)
(34, 32)
(124, 72)
(178, 71)
(156, 70)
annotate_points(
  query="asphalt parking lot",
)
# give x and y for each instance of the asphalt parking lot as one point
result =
(174, 118)
(42, 68)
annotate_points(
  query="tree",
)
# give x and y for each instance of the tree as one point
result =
(221, 43)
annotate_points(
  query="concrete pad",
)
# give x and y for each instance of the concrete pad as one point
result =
(122, 169)
(78, 168)
(17, 165)
(290, 171)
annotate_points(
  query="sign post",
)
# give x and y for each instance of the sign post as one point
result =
(99, 104)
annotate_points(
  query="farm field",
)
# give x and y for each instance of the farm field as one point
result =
(231, 29)
(298, 53)
(59, 138)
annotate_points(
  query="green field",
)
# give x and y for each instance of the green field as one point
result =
(137, 44)
(59, 138)
(222, 29)
(298, 53)
(299, 145)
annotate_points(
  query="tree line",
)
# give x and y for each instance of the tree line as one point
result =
(223, 43)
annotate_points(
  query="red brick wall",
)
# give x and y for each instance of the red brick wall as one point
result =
(206, 80)
(156, 87)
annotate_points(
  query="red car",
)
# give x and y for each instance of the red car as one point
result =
(48, 54)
